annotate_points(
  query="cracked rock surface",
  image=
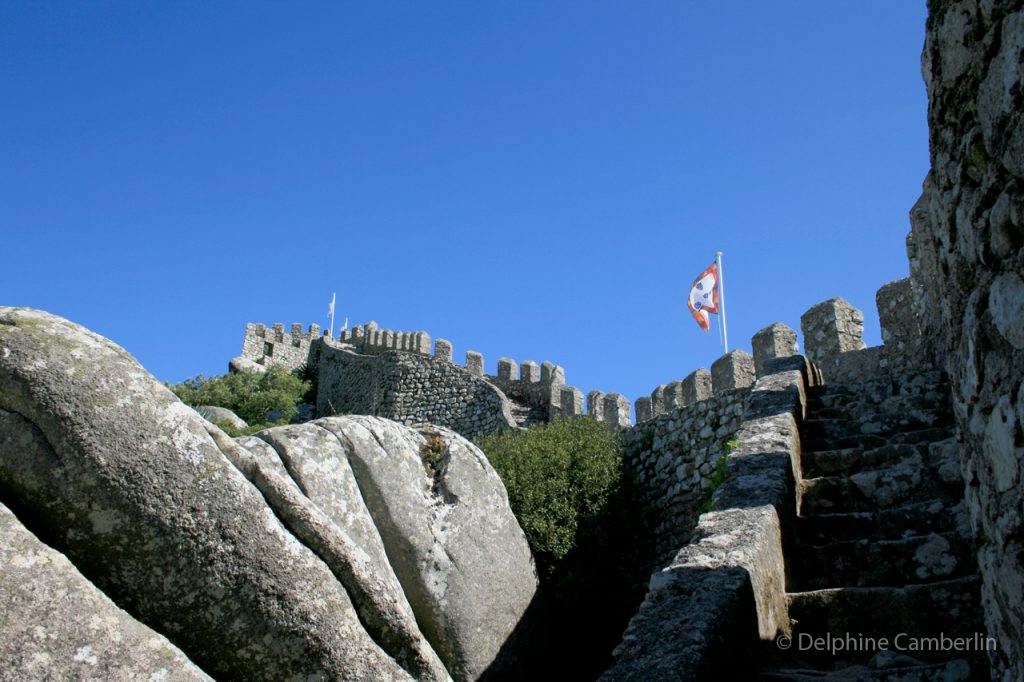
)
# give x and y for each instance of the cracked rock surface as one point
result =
(347, 548)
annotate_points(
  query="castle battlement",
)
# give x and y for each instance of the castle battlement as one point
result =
(274, 346)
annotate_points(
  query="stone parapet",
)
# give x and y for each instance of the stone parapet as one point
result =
(571, 400)
(733, 370)
(616, 410)
(726, 589)
(830, 328)
(443, 350)
(697, 386)
(774, 341)
(595, 405)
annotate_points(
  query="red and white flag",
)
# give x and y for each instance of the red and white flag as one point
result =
(704, 296)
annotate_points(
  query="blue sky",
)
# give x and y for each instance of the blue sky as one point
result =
(537, 180)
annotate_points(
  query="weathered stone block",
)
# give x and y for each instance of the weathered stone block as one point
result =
(529, 372)
(399, 340)
(443, 350)
(697, 386)
(552, 374)
(296, 329)
(314, 330)
(830, 328)
(658, 401)
(421, 343)
(572, 401)
(643, 409)
(278, 331)
(508, 370)
(475, 363)
(673, 396)
(774, 341)
(735, 369)
(595, 405)
(387, 339)
(896, 314)
(616, 410)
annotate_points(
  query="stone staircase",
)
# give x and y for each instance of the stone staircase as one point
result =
(526, 416)
(881, 548)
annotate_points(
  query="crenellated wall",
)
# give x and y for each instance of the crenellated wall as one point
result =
(410, 388)
(673, 457)
(719, 586)
(276, 347)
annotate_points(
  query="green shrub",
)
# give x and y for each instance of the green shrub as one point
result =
(590, 537)
(557, 475)
(253, 396)
(718, 478)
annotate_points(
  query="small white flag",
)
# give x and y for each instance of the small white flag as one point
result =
(330, 309)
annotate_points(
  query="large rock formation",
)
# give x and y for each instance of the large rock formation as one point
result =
(966, 263)
(443, 515)
(56, 625)
(259, 558)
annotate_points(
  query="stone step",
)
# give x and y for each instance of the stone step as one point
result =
(875, 619)
(920, 518)
(846, 461)
(874, 563)
(921, 383)
(955, 670)
(874, 424)
(875, 490)
(853, 402)
(812, 441)
(526, 415)
(942, 457)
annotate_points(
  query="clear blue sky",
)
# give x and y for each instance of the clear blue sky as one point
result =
(538, 180)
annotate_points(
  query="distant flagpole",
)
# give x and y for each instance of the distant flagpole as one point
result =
(721, 300)
(334, 297)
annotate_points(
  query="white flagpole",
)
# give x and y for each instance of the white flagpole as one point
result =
(334, 297)
(721, 300)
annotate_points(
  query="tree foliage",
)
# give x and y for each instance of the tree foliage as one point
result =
(589, 534)
(557, 475)
(256, 397)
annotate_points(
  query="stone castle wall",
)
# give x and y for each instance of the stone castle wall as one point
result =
(274, 346)
(673, 458)
(540, 388)
(409, 388)
(720, 579)
(966, 251)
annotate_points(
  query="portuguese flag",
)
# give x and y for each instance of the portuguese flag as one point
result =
(704, 296)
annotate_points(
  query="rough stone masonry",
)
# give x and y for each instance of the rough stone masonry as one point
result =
(966, 256)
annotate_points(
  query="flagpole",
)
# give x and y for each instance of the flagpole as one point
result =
(721, 300)
(334, 297)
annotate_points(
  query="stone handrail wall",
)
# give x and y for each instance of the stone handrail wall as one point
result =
(726, 589)
(673, 458)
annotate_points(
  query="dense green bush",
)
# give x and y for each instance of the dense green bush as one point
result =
(589, 534)
(256, 397)
(557, 475)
